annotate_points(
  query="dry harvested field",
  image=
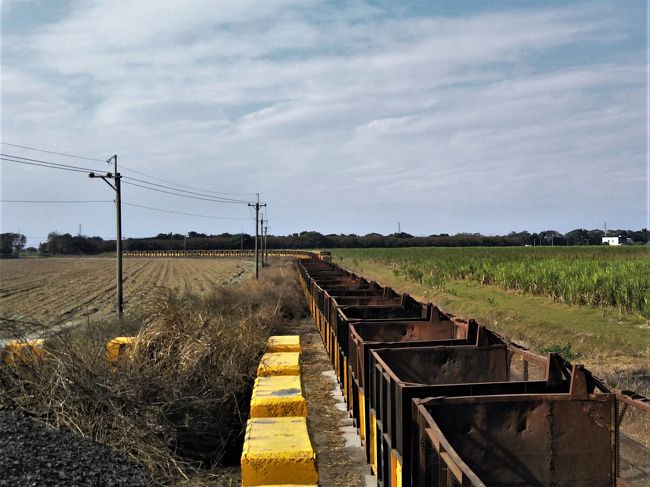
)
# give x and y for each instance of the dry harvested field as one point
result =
(60, 289)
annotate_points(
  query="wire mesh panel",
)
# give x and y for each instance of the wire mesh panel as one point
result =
(633, 440)
(524, 365)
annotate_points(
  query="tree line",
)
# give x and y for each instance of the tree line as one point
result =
(67, 244)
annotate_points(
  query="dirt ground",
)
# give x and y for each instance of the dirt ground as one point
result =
(60, 289)
(338, 464)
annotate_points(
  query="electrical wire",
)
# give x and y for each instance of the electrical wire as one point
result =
(58, 165)
(6, 159)
(183, 213)
(53, 152)
(67, 167)
(122, 166)
(228, 200)
(127, 204)
(56, 201)
(184, 195)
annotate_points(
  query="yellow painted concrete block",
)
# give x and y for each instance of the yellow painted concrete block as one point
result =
(395, 470)
(278, 451)
(279, 363)
(23, 351)
(278, 396)
(283, 343)
(117, 347)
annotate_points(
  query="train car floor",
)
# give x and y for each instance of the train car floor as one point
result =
(340, 457)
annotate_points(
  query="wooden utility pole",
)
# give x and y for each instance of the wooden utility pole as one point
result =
(266, 242)
(257, 206)
(117, 187)
(262, 240)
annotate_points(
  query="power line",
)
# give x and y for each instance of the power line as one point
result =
(49, 162)
(229, 200)
(184, 195)
(41, 162)
(183, 213)
(56, 201)
(6, 159)
(67, 167)
(65, 154)
(53, 152)
(128, 204)
(183, 185)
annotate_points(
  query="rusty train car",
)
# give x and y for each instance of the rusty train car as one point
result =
(442, 401)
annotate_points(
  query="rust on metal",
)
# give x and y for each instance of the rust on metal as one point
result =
(499, 414)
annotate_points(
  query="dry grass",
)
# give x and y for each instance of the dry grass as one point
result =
(179, 403)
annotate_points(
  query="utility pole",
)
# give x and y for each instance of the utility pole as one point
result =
(117, 187)
(262, 240)
(266, 243)
(257, 206)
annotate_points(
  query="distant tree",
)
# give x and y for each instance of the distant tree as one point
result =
(520, 238)
(552, 237)
(577, 236)
(11, 244)
(595, 236)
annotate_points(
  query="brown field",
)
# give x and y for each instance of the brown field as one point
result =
(61, 289)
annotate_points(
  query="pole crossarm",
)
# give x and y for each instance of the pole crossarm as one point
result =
(117, 187)
(257, 206)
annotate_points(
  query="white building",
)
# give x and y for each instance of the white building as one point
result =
(616, 240)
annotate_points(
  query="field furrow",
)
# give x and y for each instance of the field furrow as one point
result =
(66, 289)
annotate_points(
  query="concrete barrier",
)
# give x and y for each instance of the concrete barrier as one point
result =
(278, 396)
(277, 448)
(278, 451)
(279, 363)
(23, 351)
(283, 343)
(118, 347)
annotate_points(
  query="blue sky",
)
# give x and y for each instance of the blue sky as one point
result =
(346, 116)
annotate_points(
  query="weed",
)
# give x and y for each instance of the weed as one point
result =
(179, 401)
(564, 350)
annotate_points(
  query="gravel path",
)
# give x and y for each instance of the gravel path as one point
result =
(340, 457)
(31, 454)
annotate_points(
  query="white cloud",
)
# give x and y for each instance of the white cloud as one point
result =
(321, 106)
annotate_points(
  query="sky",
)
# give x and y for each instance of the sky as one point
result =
(347, 117)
